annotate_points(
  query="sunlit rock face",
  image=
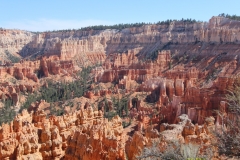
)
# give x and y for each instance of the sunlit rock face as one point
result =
(12, 42)
(183, 69)
(84, 134)
(89, 47)
(195, 88)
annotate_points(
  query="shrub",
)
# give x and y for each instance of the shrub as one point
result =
(7, 113)
(175, 151)
(12, 58)
(228, 134)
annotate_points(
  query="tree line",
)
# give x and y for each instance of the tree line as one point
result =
(233, 17)
(125, 25)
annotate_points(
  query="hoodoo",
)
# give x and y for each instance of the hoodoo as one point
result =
(168, 90)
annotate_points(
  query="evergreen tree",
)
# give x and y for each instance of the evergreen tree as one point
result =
(7, 112)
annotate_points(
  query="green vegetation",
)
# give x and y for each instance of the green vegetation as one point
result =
(54, 111)
(233, 17)
(120, 107)
(55, 92)
(12, 58)
(167, 22)
(169, 65)
(126, 25)
(153, 56)
(126, 124)
(6, 112)
(176, 151)
(228, 134)
(213, 75)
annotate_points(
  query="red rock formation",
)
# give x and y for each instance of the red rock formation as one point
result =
(84, 134)
(191, 78)
(12, 91)
(26, 72)
(127, 66)
(27, 69)
(180, 92)
(56, 66)
(184, 96)
(100, 140)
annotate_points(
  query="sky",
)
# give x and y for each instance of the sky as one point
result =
(43, 15)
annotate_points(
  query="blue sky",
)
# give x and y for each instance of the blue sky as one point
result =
(41, 15)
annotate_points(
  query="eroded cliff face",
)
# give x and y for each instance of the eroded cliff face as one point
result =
(12, 42)
(91, 47)
(148, 37)
(179, 37)
(84, 134)
(24, 77)
(189, 67)
(179, 83)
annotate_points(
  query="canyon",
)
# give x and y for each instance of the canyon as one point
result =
(149, 85)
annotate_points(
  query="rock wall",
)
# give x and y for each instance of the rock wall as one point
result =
(127, 66)
(28, 69)
(54, 65)
(8, 91)
(13, 41)
(84, 134)
(217, 36)
(179, 37)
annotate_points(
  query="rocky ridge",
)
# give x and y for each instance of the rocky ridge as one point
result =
(12, 42)
(178, 36)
